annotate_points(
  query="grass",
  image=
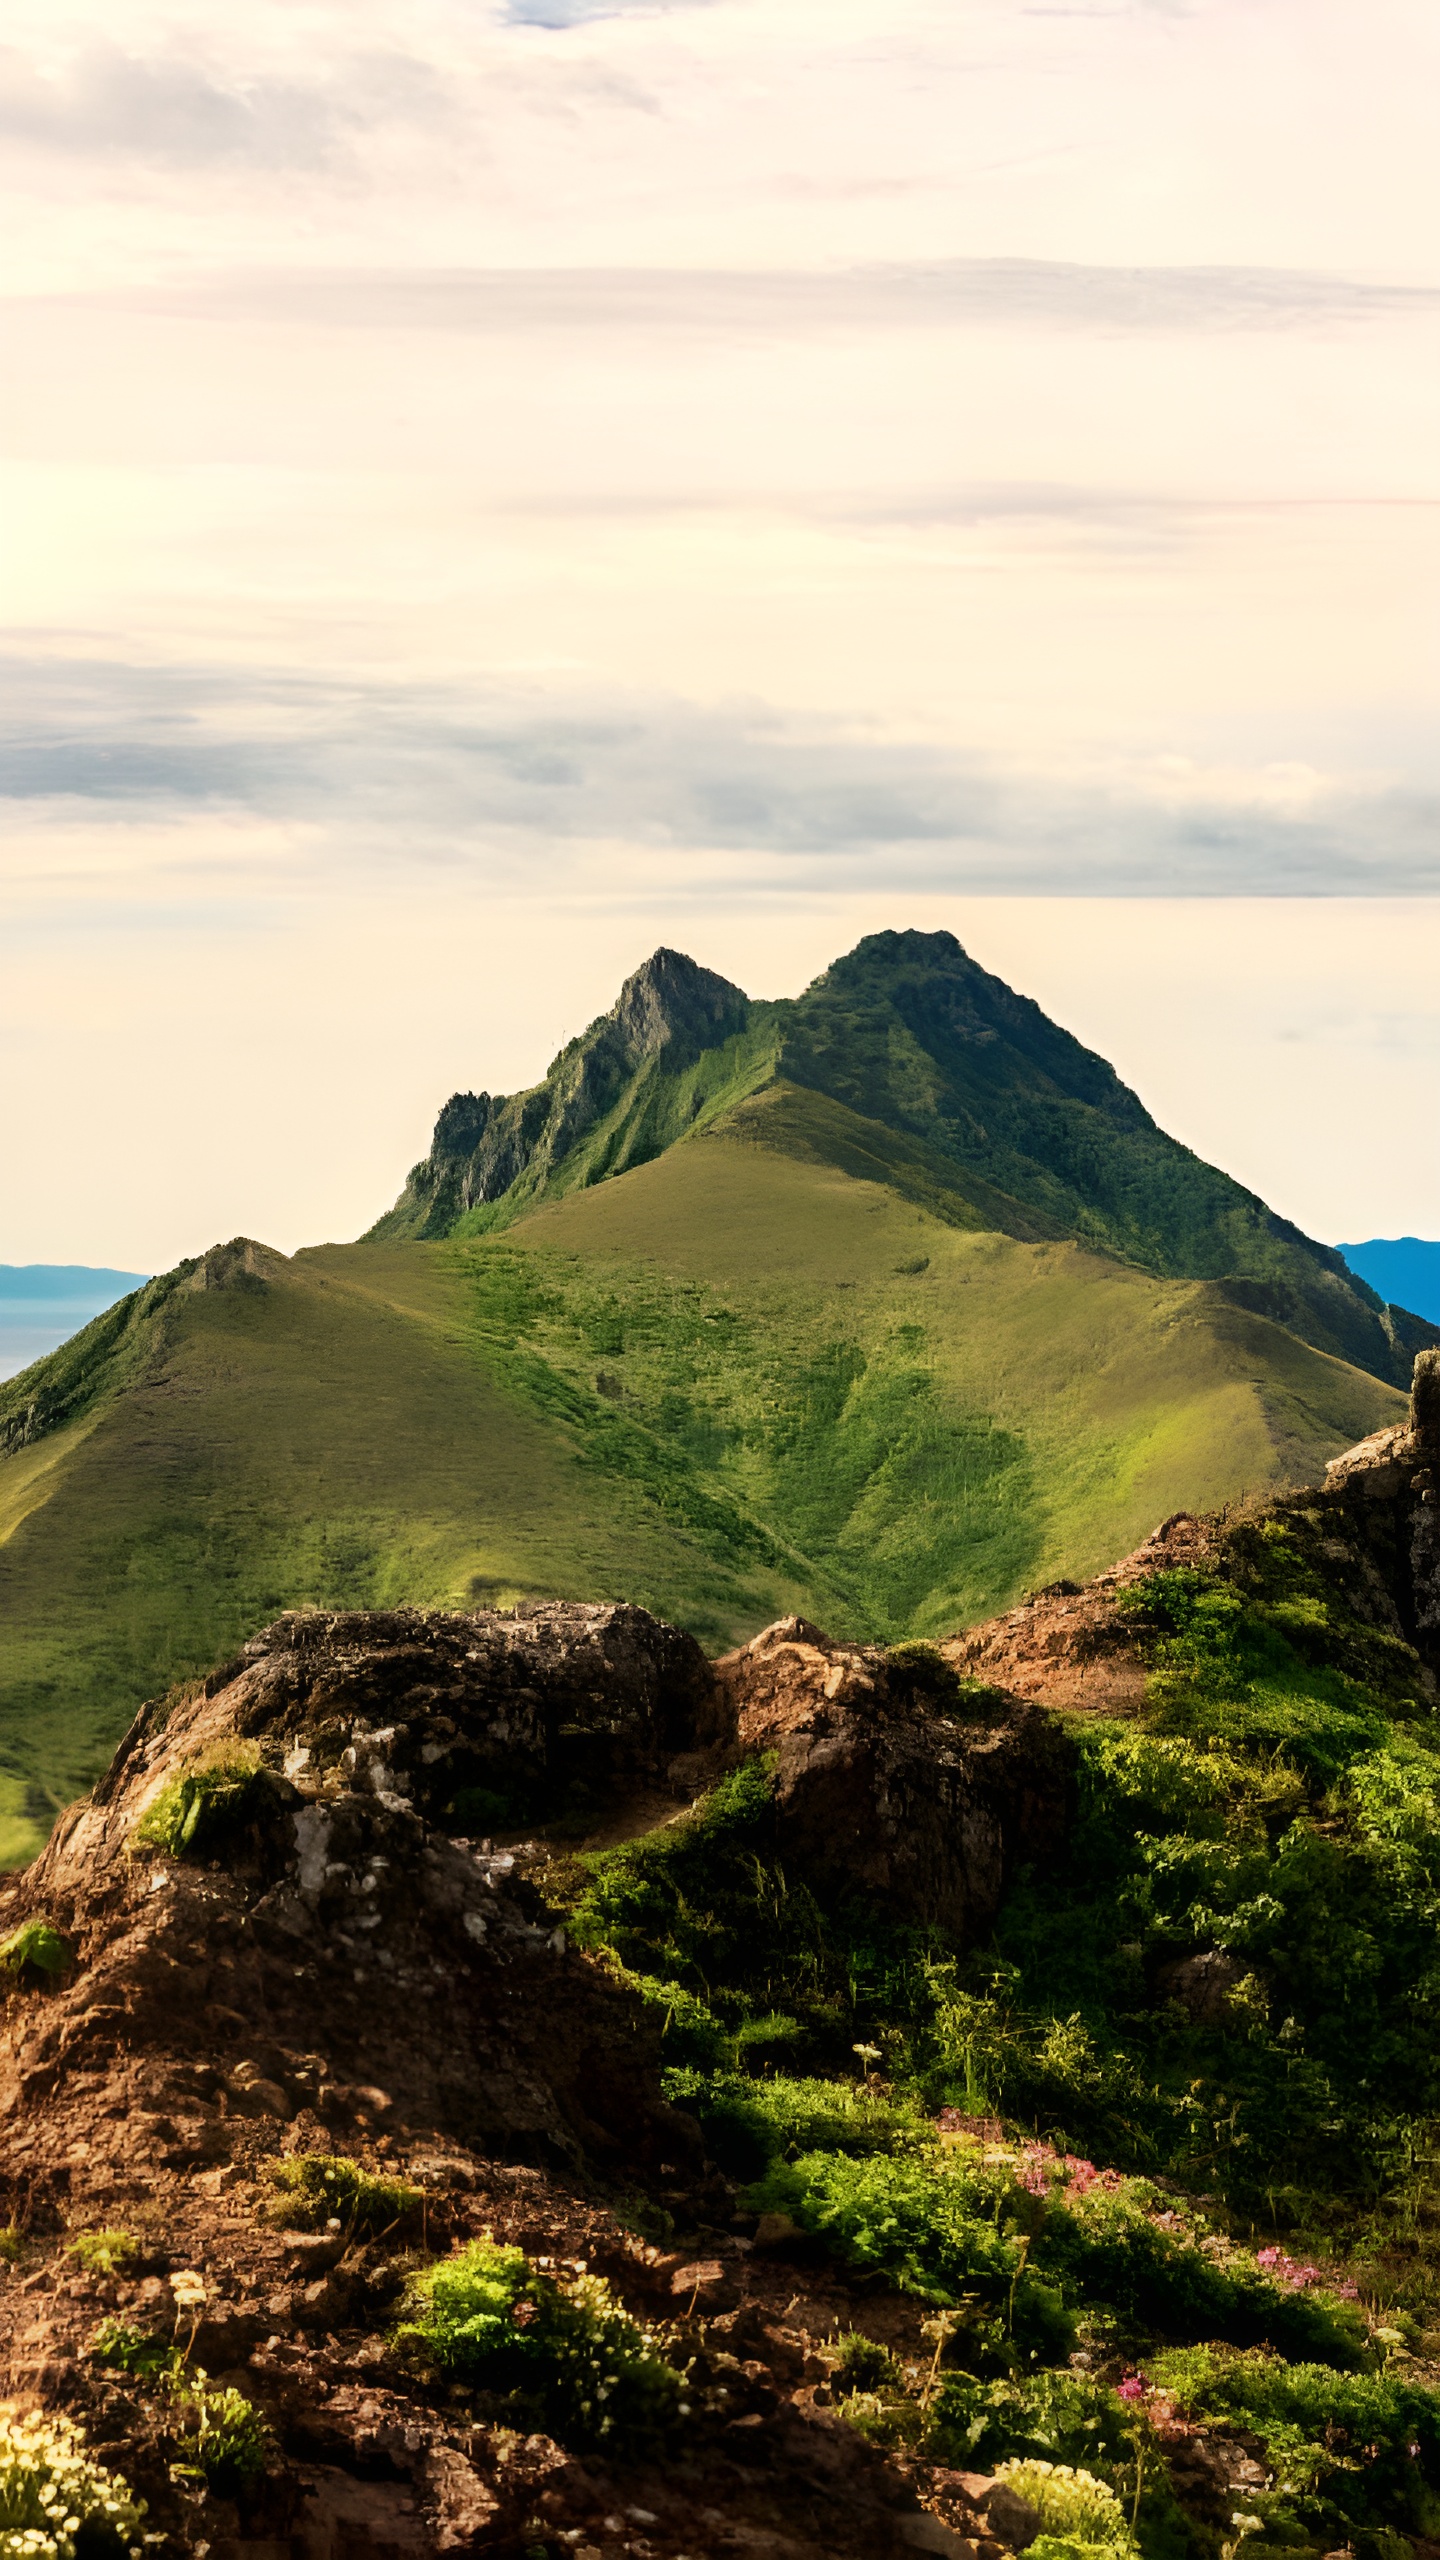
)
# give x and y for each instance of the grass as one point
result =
(743, 1324)
(735, 1381)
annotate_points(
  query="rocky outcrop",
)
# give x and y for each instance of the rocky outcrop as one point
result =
(1389, 1485)
(351, 1937)
(890, 1780)
(484, 1144)
(1073, 1646)
(342, 1961)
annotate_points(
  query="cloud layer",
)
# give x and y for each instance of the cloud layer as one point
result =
(389, 777)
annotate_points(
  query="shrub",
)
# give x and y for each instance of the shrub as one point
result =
(319, 2188)
(1052, 2417)
(196, 1810)
(1109, 2250)
(865, 2365)
(705, 1907)
(55, 2501)
(103, 2252)
(566, 2358)
(125, 2349)
(932, 2229)
(36, 1947)
(225, 2441)
(1073, 2506)
(1337, 2441)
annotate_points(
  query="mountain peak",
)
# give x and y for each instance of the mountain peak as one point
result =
(671, 997)
(669, 1014)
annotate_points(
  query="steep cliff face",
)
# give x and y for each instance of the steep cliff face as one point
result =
(615, 1079)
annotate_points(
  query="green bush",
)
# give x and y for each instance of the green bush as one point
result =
(320, 2188)
(195, 1811)
(1358, 2447)
(55, 2501)
(706, 1908)
(1312, 1860)
(126, 2349)
(865, 2365)
(934, 2231)
(1054, 2417)
(566, 2358)
(37, 1947)
(1109, 2250)
(750, 2122)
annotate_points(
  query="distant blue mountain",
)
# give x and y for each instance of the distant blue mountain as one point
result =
(1405, 1270)
(43, 1303)
(72, 1281)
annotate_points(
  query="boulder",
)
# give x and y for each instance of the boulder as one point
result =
(891, 1779)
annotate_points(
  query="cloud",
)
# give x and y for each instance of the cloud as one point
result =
(558, 14)
(176, 113)
(375, 777)
(940, 293)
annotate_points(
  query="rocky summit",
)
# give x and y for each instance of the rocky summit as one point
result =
(501, 2081)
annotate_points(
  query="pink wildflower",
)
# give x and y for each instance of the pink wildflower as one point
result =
(1134, 2387)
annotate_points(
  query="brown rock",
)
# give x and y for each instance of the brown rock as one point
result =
(888, 1781)
(463, 2505)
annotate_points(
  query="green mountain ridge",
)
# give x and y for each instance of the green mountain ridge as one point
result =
(907, 1033)
(722, 1341)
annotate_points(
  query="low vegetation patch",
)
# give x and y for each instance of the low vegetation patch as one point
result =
(563, 2357)
(1078, 2511)
(196, 1812)
(1345, 2450)
(122, 2348)
(103, 2253)
(321, 2191)
(56, 2502)
(221, 2437)
(36, 1948)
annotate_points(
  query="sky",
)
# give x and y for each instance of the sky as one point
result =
(491, 486)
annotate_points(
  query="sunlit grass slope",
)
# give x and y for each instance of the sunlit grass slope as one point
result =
(333, 1437)
(939, 1417)
(739, 1379)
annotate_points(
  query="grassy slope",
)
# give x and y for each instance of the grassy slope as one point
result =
(940, 1437)
(730, 1382)
(331, 1439)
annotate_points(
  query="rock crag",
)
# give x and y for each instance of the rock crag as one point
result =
(351, 1970)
